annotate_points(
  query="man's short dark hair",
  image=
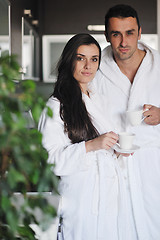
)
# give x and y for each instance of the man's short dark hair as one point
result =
(120, 11)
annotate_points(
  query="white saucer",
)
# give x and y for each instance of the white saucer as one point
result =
(120, 150)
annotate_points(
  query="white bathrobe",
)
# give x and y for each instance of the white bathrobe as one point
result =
(94, 200)
(143, 168)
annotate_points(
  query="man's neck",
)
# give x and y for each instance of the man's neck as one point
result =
(129, 67)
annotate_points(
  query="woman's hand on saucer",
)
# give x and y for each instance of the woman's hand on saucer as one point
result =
(104, 141)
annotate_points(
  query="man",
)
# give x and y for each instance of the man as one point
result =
(129, 77)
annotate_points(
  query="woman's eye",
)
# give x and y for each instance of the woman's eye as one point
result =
(80, 59)
(95, 59)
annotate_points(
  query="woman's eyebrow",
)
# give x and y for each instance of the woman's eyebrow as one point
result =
(84, 55)
(80, 54)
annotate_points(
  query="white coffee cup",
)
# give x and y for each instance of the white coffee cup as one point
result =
(135, 117)
(126, 140)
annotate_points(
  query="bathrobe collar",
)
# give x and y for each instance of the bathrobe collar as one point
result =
(110, 69)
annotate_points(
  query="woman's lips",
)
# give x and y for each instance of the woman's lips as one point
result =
(86, 73)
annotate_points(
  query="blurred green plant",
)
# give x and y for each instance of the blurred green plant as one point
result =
(23, 160)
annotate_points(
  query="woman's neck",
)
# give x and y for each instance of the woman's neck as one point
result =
(85, 90)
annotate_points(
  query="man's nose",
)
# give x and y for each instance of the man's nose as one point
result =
(123, 41)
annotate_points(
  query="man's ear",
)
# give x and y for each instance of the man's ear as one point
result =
(139, 33)
(107, 39)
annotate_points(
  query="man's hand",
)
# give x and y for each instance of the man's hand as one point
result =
(152, 114)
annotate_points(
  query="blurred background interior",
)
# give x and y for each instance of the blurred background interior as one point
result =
(37, 30)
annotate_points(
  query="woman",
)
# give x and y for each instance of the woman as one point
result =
(79, 141)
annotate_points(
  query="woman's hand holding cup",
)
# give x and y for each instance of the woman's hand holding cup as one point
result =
(104, 141)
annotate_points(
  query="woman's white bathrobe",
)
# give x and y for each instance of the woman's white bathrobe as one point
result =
(94, 203)
(143, 168)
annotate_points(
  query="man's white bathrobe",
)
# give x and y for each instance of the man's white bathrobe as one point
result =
(143, 168)
(94, 199)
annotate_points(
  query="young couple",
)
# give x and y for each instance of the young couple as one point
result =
(105, 194)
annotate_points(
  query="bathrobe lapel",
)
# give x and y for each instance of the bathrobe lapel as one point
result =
(110, 68)
(95, 106)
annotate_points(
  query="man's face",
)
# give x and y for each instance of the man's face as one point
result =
(123, 35)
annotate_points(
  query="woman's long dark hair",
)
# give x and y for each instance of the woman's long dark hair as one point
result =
(77, 122)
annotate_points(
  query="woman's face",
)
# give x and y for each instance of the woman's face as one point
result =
(86, 64)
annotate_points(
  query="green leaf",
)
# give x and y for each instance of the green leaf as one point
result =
(49, 112)
(15, 177)
(26, 231)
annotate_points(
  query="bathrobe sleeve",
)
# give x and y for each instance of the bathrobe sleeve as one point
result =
(68, 158)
